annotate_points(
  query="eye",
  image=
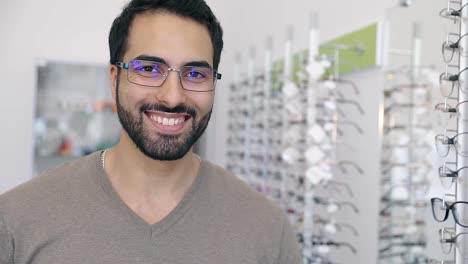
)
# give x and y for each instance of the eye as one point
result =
(197, 74)
(193, 73)
(148, 68)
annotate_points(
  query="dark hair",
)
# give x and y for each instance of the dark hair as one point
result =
(196, 10)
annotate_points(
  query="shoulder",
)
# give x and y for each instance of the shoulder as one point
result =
(232, 192)
(50, 185)
(240, 211)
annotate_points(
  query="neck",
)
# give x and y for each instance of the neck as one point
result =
(132, 173)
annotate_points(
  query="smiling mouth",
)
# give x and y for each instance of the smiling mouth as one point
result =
(168, 122)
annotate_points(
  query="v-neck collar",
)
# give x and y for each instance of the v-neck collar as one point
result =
(164, 224)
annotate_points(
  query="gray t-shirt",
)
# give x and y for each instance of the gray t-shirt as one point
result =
(72, 215)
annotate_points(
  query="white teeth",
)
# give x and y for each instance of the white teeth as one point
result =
(167, 121)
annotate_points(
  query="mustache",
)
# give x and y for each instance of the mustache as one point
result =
(180, 109)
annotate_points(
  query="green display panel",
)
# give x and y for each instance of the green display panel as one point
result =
(362, 53)
(355, 51)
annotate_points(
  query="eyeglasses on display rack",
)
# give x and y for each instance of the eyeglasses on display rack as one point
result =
(406, 204)
(338, 123)
(452, 13)
(448, 239)
(433, 261)
(331, 104)
(333, 206)
(403, 244)
(332, 83)
(400, 191)
(448, 176)
(450, 82)
(332, 224)
(389, 165)
(452, 112)
(444, 143)
(450, 48)
(200, 77)
(331, 184)
(329, 243)
(442, 208)
(341, 165)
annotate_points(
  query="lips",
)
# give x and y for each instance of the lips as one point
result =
(168, 123)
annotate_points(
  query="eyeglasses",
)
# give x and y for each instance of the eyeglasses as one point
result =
(451, 13)
(449, 47)
(327, 244)
(387, 210)
(331, 226)
(446, 108)
(153, 74)
(333, 206)
(448, 176)
(434, 261)
(441, 208)
(449, 81)
(448, 238)
(443, 143)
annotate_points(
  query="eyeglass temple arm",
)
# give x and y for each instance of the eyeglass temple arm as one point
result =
(352, 84)
(348, 245)
(121, 65)
(355, 125)
(349, 204)
(353, 164)
(352, 102)
(345, 185)
(350, 227)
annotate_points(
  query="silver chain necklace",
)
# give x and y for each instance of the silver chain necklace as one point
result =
(103, 158)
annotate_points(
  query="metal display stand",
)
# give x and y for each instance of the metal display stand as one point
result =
(405, 168)
(285, 123)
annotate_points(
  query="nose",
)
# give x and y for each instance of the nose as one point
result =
(171, 92)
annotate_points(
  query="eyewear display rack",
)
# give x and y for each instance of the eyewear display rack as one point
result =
(406, 165)
(454, 90)
(284, 124)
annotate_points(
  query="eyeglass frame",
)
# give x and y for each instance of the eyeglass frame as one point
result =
(434, 261)
(453, 174)
(454, 14)
(445, 108)
(448, 208)
(450, 142)
(126, 66)
(452, 240)
(453, 78)
(453, 46)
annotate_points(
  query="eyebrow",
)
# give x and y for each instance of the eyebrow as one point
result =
(204, 64)
(200, 63)
(150, 58)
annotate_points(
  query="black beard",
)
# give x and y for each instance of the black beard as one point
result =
(165, 147)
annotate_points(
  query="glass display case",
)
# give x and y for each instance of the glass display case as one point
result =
(75, 114)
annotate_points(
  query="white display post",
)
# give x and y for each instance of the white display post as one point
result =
(462, 182)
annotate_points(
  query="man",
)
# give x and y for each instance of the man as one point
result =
(149, 199)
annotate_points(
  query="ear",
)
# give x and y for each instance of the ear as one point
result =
(113, 73)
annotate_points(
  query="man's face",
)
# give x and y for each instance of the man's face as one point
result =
(164, 122)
